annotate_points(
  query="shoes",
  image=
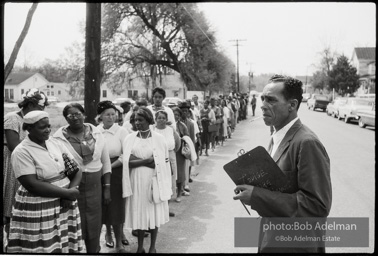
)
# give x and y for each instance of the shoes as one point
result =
(135, 233)
(143, 251)
(178, 199)
(185, 193)
(153, 251)
(125, 241)
(206, 154)
(190, 180)
(109, 241)
(171, 214)
(122, 250)
(186, 188)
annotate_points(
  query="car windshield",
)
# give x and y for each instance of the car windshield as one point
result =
(321, 97)
(362, 102)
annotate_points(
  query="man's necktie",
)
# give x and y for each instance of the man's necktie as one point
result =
(270, 147)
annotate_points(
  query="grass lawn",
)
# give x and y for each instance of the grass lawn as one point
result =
(55, 116)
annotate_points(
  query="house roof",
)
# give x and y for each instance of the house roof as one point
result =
(18, 77)
(365, 53)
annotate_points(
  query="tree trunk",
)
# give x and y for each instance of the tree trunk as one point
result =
(20, 40)
(92, 61)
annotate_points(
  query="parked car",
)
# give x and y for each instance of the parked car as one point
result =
(118, 101)
(305, 97)
(318, 101)
(366, 117)
(52, 99)
(349, 109)
(171, 101)
(333, 107)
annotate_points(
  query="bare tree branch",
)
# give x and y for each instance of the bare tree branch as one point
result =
(20, 40)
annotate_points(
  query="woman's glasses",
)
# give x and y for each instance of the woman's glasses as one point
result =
(77, 115)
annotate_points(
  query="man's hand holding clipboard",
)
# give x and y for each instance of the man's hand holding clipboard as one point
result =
(255, 168)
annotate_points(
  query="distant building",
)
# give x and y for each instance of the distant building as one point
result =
(363, 59)
(59, 90)
(18, 83)
(142, 87)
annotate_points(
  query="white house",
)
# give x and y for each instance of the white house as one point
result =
(142, 87)
(363, 59)
(59, 90)
(18, 83)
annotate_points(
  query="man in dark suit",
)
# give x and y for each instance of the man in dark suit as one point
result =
(301, 157)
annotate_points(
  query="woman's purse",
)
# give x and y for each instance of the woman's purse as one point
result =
(71, 167)
(185, 150)
(213, 128)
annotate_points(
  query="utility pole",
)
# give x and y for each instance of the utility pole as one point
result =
(237, 61)
(92, 61)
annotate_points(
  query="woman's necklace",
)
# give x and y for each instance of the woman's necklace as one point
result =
(148, 134)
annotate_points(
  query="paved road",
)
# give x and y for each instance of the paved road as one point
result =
(204, 221)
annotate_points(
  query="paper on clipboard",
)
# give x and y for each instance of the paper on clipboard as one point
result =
(257, 168)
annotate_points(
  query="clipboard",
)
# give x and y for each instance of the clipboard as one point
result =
(257, 168)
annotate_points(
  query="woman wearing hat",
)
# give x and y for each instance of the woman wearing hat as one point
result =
(45, 216)
(146, 167)
(182, 165)
(113, 214)
(207, 118)
(13, 135)
(87, 144)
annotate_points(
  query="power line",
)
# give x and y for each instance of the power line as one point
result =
(198, 26)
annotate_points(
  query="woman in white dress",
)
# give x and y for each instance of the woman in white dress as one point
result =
(146, 168)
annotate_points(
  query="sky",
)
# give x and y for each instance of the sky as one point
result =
(284, 38)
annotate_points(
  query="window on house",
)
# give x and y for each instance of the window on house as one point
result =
(52, 93)
(59, 93)
(130, 94)
(52, 86)
(48, 93)
(48, 86)
(104, 93)
(6, 94)
(135, 94)
(11, 96)
(22, 91)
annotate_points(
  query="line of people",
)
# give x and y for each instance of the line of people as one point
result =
(131, 165)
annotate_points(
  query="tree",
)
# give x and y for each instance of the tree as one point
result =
(320, 80)
(320, 77)
(172, 35)
(20, 40)
(343, 76)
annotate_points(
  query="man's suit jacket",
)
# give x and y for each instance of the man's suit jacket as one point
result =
(304, 160)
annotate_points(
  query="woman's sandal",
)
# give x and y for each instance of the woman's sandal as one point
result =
(110, 243)
(125, 241)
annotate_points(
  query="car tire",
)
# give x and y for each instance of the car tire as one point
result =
(346, 119)
(361, 123)
(339, 117)
(333, 114)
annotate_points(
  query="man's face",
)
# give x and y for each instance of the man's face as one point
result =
(274, 105)
(158, 99)
(195, 99)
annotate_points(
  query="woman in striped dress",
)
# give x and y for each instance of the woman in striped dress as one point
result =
(45, 216)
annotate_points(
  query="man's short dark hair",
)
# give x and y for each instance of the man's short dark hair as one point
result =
(292, 87)
(159, 90)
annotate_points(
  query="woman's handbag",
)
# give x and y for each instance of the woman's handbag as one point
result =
(185, 151)
(213, 128)
(71, 167)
